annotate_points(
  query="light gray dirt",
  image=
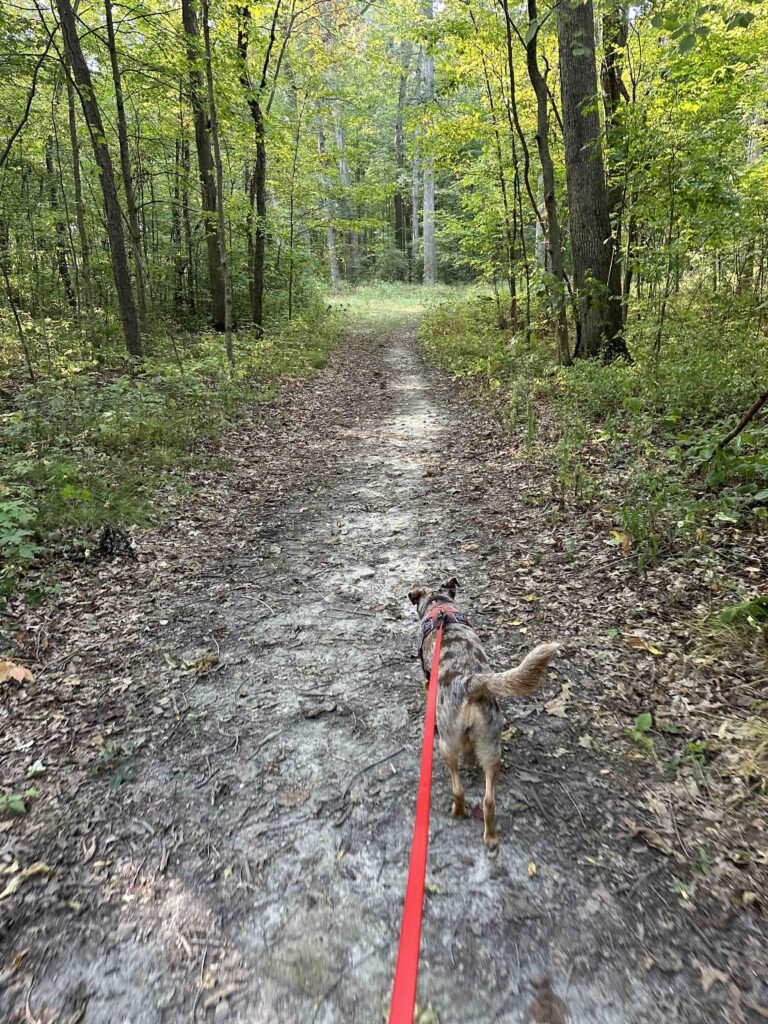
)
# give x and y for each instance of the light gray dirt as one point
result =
(239, 853)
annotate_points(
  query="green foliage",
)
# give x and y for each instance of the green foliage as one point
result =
(90, 447)
(16, 803)
(651, 426)
(638, 733)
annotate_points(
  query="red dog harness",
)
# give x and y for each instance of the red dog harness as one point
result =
(445, 613)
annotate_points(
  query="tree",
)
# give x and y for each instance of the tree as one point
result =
(125, 164)
(221, 227)
(197, 92)
(112, 210)
(597, 270)
(428, 79)
(552, 224)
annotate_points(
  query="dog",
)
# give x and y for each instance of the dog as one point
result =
(468, 714)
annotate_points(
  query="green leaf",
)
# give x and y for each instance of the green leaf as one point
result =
(687, 43)
(741, 20)
(657, 20)
(644, 722)
(533, 28)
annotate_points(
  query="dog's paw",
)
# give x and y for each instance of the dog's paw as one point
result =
(492, 847)
(458, 809)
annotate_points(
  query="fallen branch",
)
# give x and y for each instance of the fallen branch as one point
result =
(746, 418)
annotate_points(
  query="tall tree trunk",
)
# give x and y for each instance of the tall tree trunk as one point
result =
(221, 232)
(330, 229)
(552, 225)
(353, 236)
(191, 266)
(257, 236)
(60, 231)
(114, 217)
(415, 208)
(204, 162)
(510, 227)
(401, 239)
(615, 97)
(86, 283)
(430, 251)
(596, 268)
(125, 166)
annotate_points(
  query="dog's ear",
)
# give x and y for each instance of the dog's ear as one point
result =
(416, 594)
(450, 586)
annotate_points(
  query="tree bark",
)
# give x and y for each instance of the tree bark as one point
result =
(330, 229)
(415, 208)
(204, 162)
(552, 226)
(401, 239)
(86, 284)
(596, 268)
(113, 213)
(428, 203)
(221, 230)
(125, 166)
(353, 236)
(60, 231)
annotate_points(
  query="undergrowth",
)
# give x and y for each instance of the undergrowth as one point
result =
(639, 437)
(90, 445)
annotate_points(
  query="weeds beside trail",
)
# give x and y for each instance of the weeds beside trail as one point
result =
(108, 444)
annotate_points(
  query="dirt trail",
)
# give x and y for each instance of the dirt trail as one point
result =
(231, 731)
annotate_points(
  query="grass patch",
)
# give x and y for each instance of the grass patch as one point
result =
(390, 303)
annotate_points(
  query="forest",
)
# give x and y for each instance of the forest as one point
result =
(339, 290)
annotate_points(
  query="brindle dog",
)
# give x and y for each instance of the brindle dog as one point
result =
(468, 714)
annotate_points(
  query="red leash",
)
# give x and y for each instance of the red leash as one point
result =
(407, 970)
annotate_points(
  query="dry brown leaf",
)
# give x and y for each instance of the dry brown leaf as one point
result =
(38, 868)
(651, 837)
(10, 670)
(19, 959)
(221, 993)
(557, 705)
(709, 975)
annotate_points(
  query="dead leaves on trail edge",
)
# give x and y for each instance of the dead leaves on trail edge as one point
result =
(11, 672)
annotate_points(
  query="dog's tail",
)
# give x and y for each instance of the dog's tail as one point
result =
(517, 682)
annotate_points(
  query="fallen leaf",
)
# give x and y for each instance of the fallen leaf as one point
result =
(38, 868)
(709, 975)
(640, 643)
(431, 887)
(651, 837)
(557, 705)
(18, 960)
(531, 869)
(10, 670)
(222, 993)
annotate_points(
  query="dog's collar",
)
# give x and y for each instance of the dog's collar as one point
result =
(440, 613)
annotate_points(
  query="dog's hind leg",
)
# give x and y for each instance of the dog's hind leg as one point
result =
(451, 760)
(490, 834)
